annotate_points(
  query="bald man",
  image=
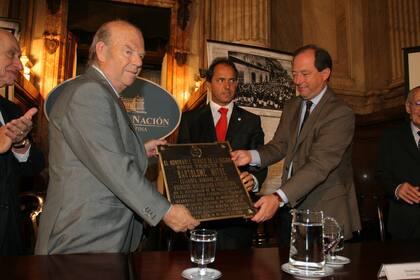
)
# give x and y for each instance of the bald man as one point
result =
(98, 196)
(17, 157)
(398, 171)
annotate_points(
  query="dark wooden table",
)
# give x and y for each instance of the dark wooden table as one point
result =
(258, 263)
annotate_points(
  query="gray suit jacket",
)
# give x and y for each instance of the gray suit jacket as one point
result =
(322, 172)
(97, 190)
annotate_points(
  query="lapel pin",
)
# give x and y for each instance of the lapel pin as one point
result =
(239, 119)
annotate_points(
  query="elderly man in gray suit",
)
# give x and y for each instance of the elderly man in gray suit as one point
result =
(98, 195)
(314, 136)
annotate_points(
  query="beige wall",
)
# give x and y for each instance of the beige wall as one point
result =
(365, 39)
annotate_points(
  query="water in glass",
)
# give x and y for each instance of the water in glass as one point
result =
(203, 251)
(306, 240)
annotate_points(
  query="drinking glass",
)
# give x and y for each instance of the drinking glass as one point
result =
(333, 242)
(306, 240)
(203, 251)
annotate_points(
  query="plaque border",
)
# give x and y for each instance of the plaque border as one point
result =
(236, 168)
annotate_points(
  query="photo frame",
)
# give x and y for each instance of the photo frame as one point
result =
(411, 68)
(265, 76)
(265, 83)
(13, 26)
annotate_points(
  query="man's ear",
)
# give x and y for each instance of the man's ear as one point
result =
(326, 73)
(101, 50)
(208, 84)
(407, 108)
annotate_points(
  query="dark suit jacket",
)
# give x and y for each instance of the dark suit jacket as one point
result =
(11, 171)
(399, 162)
(322, 172)
(244, 132)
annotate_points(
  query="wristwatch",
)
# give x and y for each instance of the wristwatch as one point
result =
(21, 144)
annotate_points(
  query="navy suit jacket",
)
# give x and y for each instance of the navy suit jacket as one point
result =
(399, 162)
(244, 132)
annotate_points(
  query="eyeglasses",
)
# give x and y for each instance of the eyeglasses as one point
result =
(415, 104)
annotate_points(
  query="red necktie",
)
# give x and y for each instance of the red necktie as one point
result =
(221, 126)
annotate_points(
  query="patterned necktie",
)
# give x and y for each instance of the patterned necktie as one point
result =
(221, 126)
(307, 112)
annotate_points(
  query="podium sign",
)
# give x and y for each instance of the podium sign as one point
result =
(152, 110)
(204, 179)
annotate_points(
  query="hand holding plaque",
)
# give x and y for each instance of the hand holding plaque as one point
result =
(204, 178)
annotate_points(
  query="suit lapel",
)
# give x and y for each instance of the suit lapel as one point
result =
(295, 111)
(4, 110)
(94, 74)
(409, 143)
(313, 117)
(208, 131)
(235, 123)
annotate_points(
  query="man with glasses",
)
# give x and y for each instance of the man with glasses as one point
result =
(398, 170)
(222, 120)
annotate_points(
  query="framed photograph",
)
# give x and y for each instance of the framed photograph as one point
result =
(10, 25)
(265, 83)
(411, 68)
(265, 76)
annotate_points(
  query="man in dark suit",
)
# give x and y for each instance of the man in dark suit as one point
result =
(398, 170)
(18, 158)
(314, 136)
(243, 131)
(98, 195)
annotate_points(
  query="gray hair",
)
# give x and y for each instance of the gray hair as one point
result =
(411, 93)
(103, 34)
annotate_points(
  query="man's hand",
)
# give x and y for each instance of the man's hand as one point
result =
(241, 157)
(151, 146)
(179, 218)
(409, 193)
(18, 129)
(267, 205)
(5, 141)
(248, 180)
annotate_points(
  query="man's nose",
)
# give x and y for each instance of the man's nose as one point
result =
(297, 79)
(18, 64)
(138, 60)
(227, 84)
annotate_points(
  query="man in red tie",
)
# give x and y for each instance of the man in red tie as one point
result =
(222, 120)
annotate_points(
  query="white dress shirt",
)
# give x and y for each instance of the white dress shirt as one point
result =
(214, 107)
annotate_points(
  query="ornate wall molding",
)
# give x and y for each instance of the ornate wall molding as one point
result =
(404, 31)
(245, 21)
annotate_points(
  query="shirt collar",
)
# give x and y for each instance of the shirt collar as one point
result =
(415, 129)
(215, 107)
(318, 98)
(109, 82)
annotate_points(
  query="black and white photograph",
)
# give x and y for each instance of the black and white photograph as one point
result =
(263, 82)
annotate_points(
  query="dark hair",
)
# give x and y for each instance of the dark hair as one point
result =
(322, 57)
(217, 61)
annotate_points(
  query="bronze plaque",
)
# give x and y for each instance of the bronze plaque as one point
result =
(204, 179)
